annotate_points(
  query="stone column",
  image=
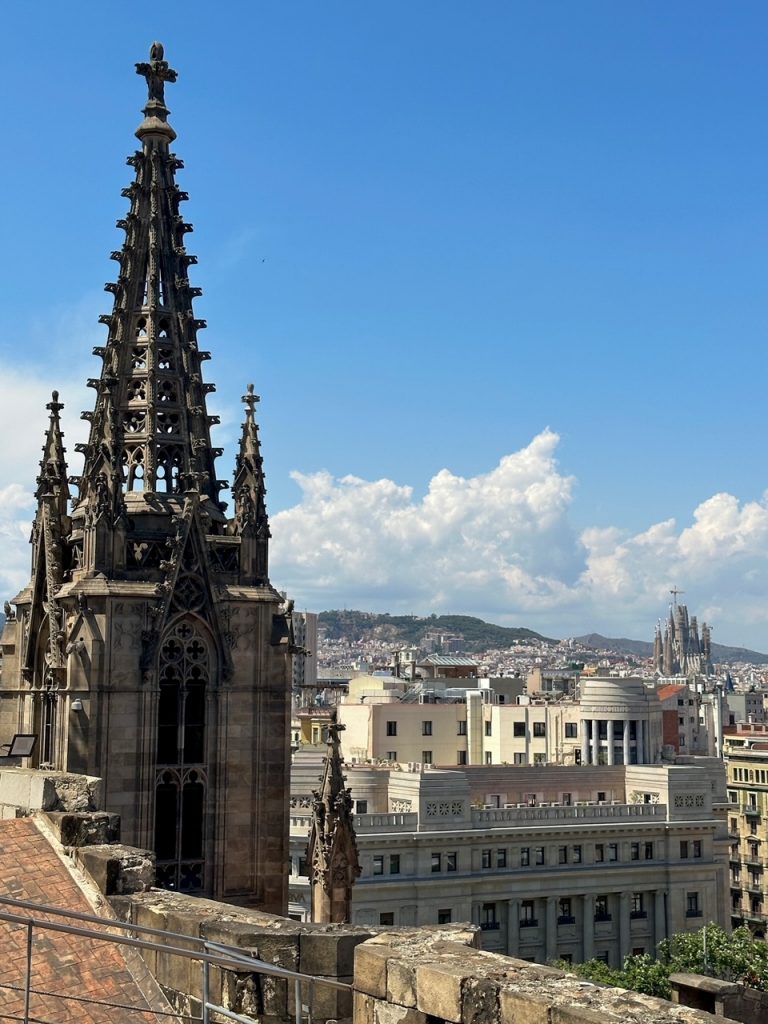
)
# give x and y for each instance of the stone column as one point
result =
(642, 731)
(624, 939)
(595, 740)
(584, 724)
(626, 741)
(659, 917)
(588, 927)
(513, 927)
(551, 928)
(610, 740)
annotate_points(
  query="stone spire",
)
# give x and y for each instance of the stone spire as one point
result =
(658, 650)
(149, 442)
(332, 849)
(248, 490)
(52, 480)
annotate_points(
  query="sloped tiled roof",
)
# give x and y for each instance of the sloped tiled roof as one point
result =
(63, 964)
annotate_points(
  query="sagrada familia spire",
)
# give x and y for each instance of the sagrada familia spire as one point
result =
(149, 647)
(679, 650)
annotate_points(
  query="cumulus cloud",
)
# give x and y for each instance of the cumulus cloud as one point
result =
(502, 544)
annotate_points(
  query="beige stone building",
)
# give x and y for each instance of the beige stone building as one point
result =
(553, 862)
(613, 721)
(746, 758)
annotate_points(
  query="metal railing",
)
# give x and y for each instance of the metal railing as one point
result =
(208, 954)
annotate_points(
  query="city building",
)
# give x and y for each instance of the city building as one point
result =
(305, 658)
(149, 648)
(679, 650)
(746, 759)
(573, 863)
(613, 721)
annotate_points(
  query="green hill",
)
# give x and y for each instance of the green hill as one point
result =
(408, 630)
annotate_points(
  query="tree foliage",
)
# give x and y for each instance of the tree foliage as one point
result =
(734, 956)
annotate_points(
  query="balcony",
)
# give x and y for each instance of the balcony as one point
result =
(751, 811)
(694, 913)
(603, 917)
(529, 922)
(489, 926)
(638, 915)
(755, 862)
(753, 886)
(566, 919)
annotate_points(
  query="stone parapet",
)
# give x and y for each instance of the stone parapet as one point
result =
(24, 790)
(420, 976)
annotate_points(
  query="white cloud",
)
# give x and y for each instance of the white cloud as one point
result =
(501, 544)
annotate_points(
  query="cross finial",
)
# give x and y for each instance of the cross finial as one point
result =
(55, 405)
(157, 73)
(250, 399)
(674, 592)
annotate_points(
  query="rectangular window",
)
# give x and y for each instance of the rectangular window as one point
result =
(692, 908)
(525, 856)
(488, 728)
(485, 859)
(461, 757)
(599, 853)
(444, 916)
(601, 797)
(566, 799)
(634, 851)
(303, 866)
(539, 729)
(488, 757)
(387, 919)
(378, 865)
(518, 729)
(426, 757)
(361, 806)
(539, 854)
(391, 728)
(577, 854)
(648, 848)
(683, 849)
(527, 914)
(601, 908)
(450, 861)
(696, 847)
(637, 905)
(518, 758)
(540, 758)
(613, 851)
(562, 855)
(564, 915)
(488, 920)
(571, 731)
(501, 858)
(437, 862)
(391, 755)
(426, 728)
(461, 728)
(394, 863)
(603, 956)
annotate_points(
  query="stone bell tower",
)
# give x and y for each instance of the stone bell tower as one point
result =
(149, 647)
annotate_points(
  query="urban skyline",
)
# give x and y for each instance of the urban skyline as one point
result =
(514, 269)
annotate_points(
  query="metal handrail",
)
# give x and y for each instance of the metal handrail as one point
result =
(208, 954)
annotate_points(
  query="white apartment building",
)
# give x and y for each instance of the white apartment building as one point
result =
(557, 862)
(614, 721)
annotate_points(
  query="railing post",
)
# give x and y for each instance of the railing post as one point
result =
(206, 993)
(28, 982)
(297, 998)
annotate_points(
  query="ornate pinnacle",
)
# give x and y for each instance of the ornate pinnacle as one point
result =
(250, 399)
(157, 73)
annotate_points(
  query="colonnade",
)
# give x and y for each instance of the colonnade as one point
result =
(629, 736)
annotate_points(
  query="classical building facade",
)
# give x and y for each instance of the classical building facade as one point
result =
(149, 647)
(560, 862)
(746, 758)
(613, 721)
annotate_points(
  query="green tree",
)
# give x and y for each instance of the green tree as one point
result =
(733, 957)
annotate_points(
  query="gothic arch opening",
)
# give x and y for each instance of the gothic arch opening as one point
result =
(186, 667)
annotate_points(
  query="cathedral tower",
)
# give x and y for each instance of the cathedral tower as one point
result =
(149, 647)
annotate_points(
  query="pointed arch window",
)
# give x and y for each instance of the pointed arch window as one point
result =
(185, 666)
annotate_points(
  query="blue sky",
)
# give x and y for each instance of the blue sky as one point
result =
(428, 232)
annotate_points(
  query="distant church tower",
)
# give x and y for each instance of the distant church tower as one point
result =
(332, 848)
(149, 647)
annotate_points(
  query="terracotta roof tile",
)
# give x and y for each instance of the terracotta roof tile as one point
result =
(62, 964)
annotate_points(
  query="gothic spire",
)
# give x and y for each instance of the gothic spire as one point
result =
(332, 849)
(150, 431)
(249, 492)
(52, 481)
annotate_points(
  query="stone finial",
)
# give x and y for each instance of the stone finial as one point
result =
(157, 72)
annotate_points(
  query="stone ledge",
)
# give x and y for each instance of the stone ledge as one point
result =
(84, 828)
(116, 869)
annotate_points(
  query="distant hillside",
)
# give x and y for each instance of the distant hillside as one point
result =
(410, 629)
(643, 649)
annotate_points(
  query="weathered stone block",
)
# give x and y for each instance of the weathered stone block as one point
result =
(523, 1007)
(329, 953)
(401, 982)
(439, 990)
(84, 828)
(480, 1001)
(576, 1015)
(390, 1013)
(371, 968)
(362, 1008)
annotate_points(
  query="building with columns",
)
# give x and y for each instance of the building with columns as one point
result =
(610, 721)
(559, 862)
